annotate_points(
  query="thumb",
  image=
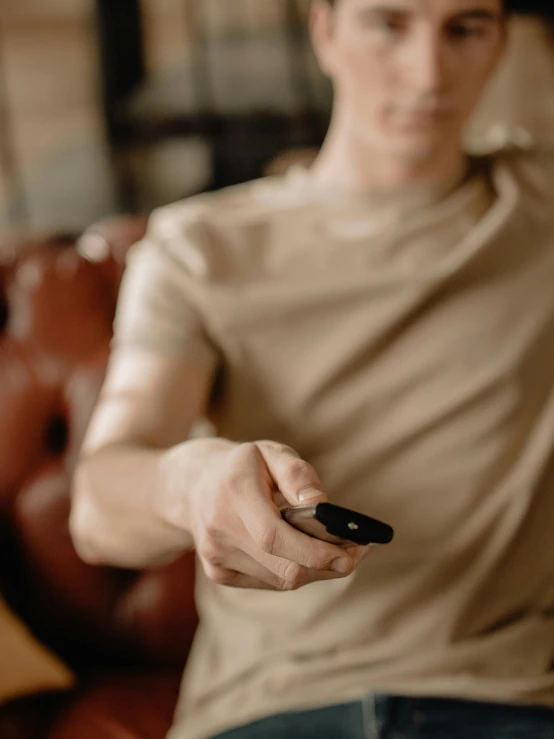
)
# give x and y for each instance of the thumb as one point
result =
(294, 478)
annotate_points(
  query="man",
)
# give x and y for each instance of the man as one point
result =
(376, 330)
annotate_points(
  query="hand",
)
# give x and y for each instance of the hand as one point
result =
(231, 510)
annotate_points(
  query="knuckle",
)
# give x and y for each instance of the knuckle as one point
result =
(323, 561)
(277, 447)
(211, 556)
(291, 585)
(209, 547)
(265, 539)
(247, 447)
(349, 568)
(220, 576)
(213, 535)
(235, 480)
(292, 575)
(243, 451)
(239, 467)
(298, 471)
(286, 586)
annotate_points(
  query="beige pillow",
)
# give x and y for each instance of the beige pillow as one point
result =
(519, 103)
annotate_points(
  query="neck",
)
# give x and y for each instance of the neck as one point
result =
(350, 161)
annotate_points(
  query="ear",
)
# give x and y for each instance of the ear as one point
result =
(321, 33)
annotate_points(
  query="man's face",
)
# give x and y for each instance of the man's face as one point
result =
(408, 73)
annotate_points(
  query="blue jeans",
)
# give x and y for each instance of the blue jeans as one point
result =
(391, 717)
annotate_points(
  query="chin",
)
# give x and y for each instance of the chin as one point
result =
(415, 151)
(419, 146)
(413, 144)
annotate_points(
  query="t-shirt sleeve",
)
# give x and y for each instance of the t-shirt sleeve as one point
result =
(161, 294)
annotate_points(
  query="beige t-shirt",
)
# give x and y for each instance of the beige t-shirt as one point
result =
(403, 344)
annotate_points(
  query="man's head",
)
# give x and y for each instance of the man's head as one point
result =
(408, 73)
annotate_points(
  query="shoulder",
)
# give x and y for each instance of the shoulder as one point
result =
(239, 206)
(219, 233)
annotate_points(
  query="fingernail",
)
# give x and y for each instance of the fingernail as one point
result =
(342, 565)
(310, 494)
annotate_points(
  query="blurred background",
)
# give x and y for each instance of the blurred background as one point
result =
(111, 105)
(108, 109)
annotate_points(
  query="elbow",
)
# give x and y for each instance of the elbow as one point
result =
(85, 526)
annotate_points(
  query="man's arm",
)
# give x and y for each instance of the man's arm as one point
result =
(144, 493)
(140, 491)
(148, 405)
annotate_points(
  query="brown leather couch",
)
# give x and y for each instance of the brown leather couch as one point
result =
(125, 634)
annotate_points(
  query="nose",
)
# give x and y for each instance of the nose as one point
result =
(424, 62)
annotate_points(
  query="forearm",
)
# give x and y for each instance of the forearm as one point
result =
(125, 501)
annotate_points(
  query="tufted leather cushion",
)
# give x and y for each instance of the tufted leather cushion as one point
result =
(128, 707)
(56, 310)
